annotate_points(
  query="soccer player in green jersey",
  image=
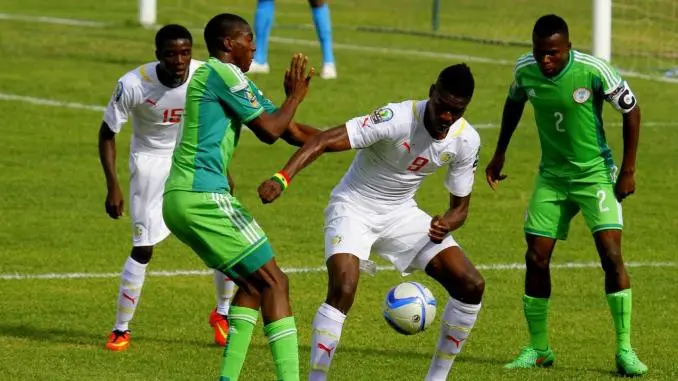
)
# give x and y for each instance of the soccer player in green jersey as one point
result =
(567, 89)
(198, 206)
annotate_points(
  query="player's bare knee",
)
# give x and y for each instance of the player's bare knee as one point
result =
(612, 261)
(142, 254)
(342, 291)
(536, 260)
(475, 285)
(279, 282)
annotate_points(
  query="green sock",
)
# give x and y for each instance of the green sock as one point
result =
(536, 314)
(241, 321)
(620, 307)
(282, 337)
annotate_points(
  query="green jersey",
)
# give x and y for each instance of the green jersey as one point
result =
(568, 111)
(219, 100)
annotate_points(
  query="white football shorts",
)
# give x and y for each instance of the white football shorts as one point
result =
(148, 174)
(399, 236)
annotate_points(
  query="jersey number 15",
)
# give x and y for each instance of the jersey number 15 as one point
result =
(172, 115)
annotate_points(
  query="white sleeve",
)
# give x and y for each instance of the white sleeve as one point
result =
(622, 98)
(121, 104)
(366, 130)
(461, 172)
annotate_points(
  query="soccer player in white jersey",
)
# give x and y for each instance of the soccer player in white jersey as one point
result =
(153, 95)
(373, 208)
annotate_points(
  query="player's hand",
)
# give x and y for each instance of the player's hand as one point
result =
(269, 190)
(114, 202)
(626, 185)
(438, 230)
(493, 171)
(297, 79)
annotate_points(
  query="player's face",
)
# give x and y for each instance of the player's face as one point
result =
(443, 110)
(551, 53)
(175, 57)
(242, 48)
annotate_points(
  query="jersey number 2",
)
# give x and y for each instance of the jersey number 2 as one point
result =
(417, 164)
(172, 115)
(559, 119)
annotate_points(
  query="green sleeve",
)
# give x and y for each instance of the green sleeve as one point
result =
(266, 103)
(516, 91)
(232, 88)
(609, 76)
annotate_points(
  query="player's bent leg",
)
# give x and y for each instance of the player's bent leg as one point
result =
(619, 299)
(280, 326)
(343, 274)
(131, 282)
(218, 317)
(536, 303)
(452, 269)
(608, 244)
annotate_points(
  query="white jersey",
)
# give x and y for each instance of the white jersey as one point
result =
(157, 110)
(396, 153)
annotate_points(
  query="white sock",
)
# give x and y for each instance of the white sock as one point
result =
(224, 287)
(131, 281)
(327, 327)
(458, 320)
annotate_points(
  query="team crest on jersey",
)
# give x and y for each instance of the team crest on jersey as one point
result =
(138, 231)
(252, 98)
(581, 95)
(118, 91)
(446, 157)
(381, 115)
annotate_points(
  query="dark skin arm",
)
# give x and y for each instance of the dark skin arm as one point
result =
(452, 220)
(626, 183)
(231, 184)
(335, 139)
(269, 127)
(297, 134)
(513, 111)
(114, 199)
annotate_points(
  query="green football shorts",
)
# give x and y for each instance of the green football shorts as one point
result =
(554, 203)
(218, 229)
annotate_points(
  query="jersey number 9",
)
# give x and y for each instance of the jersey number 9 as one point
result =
(417, 164)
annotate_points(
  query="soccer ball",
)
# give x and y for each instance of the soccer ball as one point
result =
(410, 308)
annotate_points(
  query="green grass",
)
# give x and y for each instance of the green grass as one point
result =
(53, 220)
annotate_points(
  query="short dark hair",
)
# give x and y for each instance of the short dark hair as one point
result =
(171, 32)
(219, 27)
(457, 80)
(548, 25)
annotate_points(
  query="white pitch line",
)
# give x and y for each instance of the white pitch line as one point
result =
(49, 102)
(319, 269)
(53, 20)
(339, 46)
(81, 106)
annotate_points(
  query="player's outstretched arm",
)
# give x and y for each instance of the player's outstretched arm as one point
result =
(452, 220)
(335, 139)
(107, 152)
(269, 127)
(297, 134)
(513, 111)
(626, 183)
